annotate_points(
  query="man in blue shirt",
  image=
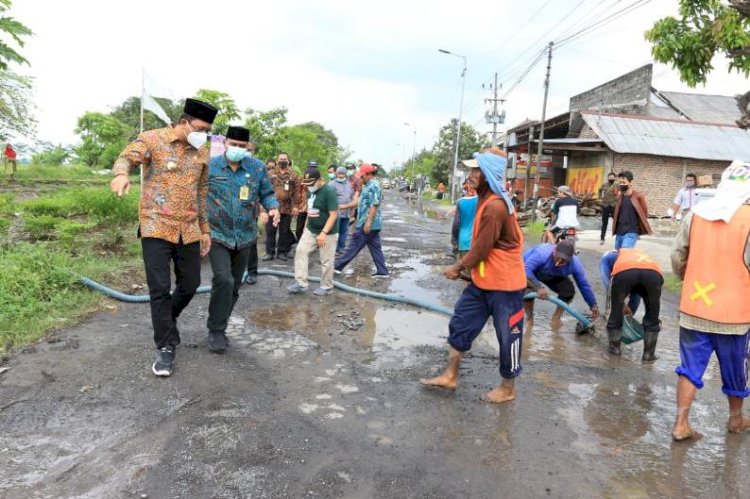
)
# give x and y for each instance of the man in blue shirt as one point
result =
(463, 222)
(549, 267)
(368, 226)
(236, 184)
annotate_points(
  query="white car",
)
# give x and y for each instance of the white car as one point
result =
(385, 183)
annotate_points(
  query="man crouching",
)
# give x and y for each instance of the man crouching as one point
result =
(497, 279)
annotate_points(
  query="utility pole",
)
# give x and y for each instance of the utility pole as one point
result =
(540, 149)
(528, 169)
(494, 118)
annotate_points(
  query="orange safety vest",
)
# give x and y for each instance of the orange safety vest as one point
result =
(503, 269)
(716, 279)
(629, 258)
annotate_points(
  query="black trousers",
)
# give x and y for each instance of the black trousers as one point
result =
(165, 308)
(607, 211)
(252, 259)
(228, 266)
(284, 232)
(562, 285)
(646, 283)
(301, 219)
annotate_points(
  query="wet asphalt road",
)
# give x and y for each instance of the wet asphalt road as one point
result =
(318, 397)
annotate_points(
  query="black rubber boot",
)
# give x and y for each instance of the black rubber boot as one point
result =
(614, 341)
(649, 346)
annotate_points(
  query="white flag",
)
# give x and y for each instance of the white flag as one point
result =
(150, 90)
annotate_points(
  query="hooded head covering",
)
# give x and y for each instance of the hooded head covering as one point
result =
(493, 167)
(733, 191)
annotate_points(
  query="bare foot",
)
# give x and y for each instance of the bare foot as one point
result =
(555, 324)
(442, 381)
(500, 394)
(738, 424)
(528, 325)
(684, 432)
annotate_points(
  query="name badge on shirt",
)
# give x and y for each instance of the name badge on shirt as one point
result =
(244, 193)
(286, 186)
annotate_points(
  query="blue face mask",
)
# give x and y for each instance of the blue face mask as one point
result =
(331, 176)
(235, 154)
(342, 180)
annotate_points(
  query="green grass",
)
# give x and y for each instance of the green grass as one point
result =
(39, 290)
(29, 173)
(673, 284)
(75, 231)
(95, 202)
(534, 231)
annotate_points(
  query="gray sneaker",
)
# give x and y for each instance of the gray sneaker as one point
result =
(322, 291)
(164, 364)
(296, 288)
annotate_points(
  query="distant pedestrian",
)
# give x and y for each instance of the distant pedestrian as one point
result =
(237, 184)
(320, 232)
(631, 213)
(440, 190)
(463, 221)
(711, 254)
(607, 197)
(347, 199)
(357, 184)
(497, 281)
(287, 188)
(368, 227)
(10, 158)
(174, 225)
(686, 198)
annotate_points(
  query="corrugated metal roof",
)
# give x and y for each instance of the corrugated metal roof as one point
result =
(573, 140)
(702, 107)
(683, 139)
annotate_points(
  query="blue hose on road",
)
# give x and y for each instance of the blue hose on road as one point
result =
(124, 297)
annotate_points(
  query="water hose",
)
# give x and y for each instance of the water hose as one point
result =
(585, 324)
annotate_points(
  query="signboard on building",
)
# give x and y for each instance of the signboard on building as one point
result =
(523, 160)
(585, 180)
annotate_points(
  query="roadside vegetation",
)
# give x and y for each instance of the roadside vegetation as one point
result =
(48, 238)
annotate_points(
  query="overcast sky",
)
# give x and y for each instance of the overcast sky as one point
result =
(359, 68)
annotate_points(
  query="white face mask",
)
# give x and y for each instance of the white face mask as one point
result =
(196, 139)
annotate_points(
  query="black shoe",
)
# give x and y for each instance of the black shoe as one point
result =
(283, 257)
(268, 257)
(251, 279)
(216, 342)
(615, 335)
(164, 364)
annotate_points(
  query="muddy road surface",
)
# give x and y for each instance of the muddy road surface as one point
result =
(318, 397)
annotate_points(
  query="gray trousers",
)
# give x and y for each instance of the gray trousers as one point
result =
(228, 266)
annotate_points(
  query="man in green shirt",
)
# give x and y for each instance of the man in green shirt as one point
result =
(321, 232)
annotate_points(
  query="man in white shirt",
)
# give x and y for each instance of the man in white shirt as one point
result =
(687, 197)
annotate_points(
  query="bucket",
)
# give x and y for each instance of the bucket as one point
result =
(632, 330)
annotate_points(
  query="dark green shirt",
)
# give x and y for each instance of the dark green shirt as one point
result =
(319, 207)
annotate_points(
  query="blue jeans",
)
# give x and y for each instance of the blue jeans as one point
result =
(358, 241)
(626, 240)
(343, 232)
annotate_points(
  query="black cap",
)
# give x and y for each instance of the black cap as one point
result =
(312, 175)
(200, 110)
(238, 133)
(565, 250)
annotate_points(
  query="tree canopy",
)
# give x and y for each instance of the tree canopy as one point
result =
(705, 28)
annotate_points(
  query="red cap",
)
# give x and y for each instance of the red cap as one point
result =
(366, 168)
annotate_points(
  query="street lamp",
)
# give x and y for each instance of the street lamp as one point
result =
(414, 151)
(458, 126)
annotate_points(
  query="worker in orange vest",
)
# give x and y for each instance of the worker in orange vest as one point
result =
(711, 254)
(634, 273)
(497, 279)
